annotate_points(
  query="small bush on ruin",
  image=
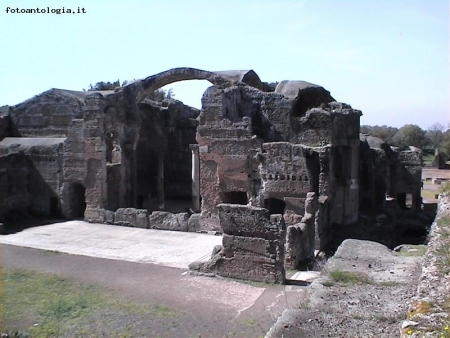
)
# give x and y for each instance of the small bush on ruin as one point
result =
(347, 277)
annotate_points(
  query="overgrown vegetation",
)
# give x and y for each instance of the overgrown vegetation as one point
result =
(428, 155)
(445, 187)
(443, 250)
(413, 251)
(347, 277)
(45, 305)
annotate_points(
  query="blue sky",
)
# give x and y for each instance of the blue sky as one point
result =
(388, 58)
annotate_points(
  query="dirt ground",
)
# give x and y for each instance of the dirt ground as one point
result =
(204, 306)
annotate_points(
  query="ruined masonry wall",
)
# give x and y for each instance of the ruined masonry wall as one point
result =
(252, 245)
(284, 174)
(46, 115)
(14, 192)
(429, 310)
(31, 176)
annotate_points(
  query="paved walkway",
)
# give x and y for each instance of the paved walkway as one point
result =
(167, 248)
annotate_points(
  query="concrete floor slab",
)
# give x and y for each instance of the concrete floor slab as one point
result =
(305, 276)
(166, 248)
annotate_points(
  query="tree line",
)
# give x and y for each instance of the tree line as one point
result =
(437, 136)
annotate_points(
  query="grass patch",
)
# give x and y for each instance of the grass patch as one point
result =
(429, 194)
(443, 250)
(445, 331)
(443, 263)
(445, 187)
(346, 277)
(413, 251)
(51, 252)
(250, 322)
(46, 305)
(444, 227)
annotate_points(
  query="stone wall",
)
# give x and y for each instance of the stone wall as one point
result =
(300, 237)
(14, 186)
(237, 129)
(287, 172)
(141, 218)
(390, 177)
(252, 246)
(166, 131)
(5, 122)
(408, 176)
(94, 157)
(429, 311)
(32, 174)
(47, 115)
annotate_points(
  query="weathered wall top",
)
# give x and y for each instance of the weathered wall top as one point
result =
(291, 89)
(373, 142)
(11, 145)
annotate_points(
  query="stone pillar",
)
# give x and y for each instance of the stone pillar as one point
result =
(161, 205)
(195, 178)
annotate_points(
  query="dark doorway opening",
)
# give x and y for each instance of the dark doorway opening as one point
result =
(235, 197)
(275, 205)
(54, 207)
(401, 200)
(414, 236)
(77, 198)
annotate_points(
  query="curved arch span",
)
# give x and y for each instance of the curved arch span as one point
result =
(223, 78)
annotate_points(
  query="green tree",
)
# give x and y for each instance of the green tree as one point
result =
(161, 94)
(435, 135)
(104, 86)
(384, 132)
(169, 93)
(445, 145)
(410, 135)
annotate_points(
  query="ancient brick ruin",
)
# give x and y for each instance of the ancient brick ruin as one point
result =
(288, 159)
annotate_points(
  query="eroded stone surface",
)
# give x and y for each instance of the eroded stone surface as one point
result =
(168, 221)
(252, 246)
(429, 309)
(363, 291)
(122, 158)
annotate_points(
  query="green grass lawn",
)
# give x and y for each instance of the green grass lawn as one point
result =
(429, 194)
(44, 305)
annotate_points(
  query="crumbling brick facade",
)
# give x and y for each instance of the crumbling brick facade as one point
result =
(120, 158)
